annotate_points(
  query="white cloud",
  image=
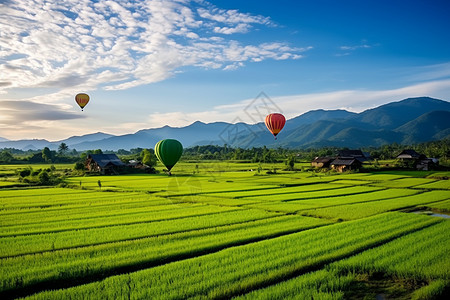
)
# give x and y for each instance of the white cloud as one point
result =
(231, 16)
(233, 66)
(240, 28)
(65, 45)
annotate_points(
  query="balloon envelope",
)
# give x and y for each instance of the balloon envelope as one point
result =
(168, 152)
(275, 122)
(82, 100)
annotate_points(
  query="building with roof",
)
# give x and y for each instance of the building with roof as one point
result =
(342, 164)
(322, 162)
(410, 158)
(410, 154)
(344, 161)
(358, 154)
(104, 163)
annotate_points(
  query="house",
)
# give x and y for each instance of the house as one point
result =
(342, 164)
(358, 154)
(412, 159)
(426, 164)
(410, 154)
(322, 162)
(104, 163)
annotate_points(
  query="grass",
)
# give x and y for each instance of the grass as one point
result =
(236, 270)
(223, 230)
(361, 210)
(422, 255)
(441, 206)
(103, 258)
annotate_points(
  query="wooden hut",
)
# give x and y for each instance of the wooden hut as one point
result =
(342, 164)
(358, 154)
(410, 154)
(322, 162)
(104, 163)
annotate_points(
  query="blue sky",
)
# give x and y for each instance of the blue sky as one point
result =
(152, 63)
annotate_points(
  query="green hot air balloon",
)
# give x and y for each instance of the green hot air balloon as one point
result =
(168, 152)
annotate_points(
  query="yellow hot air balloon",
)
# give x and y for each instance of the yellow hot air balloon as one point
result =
(82, 100)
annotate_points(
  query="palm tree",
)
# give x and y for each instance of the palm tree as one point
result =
(63, 148)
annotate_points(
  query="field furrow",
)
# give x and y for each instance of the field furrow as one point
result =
(361, 210)
(300, 205)
(30, 243)
(240, 269)
(421, 255)
(137, 217)
(63, 266)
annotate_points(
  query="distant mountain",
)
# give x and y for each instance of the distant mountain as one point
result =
(26, 144)
(395, 114)
(36, 144)
(3, 139)
(435, 123)
(147, 138)
(318, 115)
(85, 138)
(409, 121)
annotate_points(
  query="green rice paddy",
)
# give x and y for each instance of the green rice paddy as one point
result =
(221, 230)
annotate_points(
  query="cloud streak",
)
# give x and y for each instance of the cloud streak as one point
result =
(347, 49)
(24, 118)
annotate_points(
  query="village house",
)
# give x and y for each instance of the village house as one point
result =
(416, 160)
(346, 160)
(410, 154)
(322, 162)
(104, 163)
(358, 154)
(342, 164)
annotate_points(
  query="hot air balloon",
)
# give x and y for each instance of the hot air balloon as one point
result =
(275, 122)
(82, 100)
(168, 152)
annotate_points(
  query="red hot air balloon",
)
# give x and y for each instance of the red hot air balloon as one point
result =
(275, 122)
(82, 100)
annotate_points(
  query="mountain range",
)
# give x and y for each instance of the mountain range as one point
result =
(409, 121)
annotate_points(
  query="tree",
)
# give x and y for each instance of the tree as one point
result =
(148, 158)
(44, 178)
(84, 156)
(290, 162)
(25, 172)
(79, 166)
(47, 154)
(63, 148)
(123, 152)
(6, 156)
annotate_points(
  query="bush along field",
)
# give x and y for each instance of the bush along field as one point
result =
(223, 230)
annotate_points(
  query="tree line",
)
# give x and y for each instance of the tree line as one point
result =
(436, 149)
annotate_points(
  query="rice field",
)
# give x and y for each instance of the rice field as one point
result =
(224, 230)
